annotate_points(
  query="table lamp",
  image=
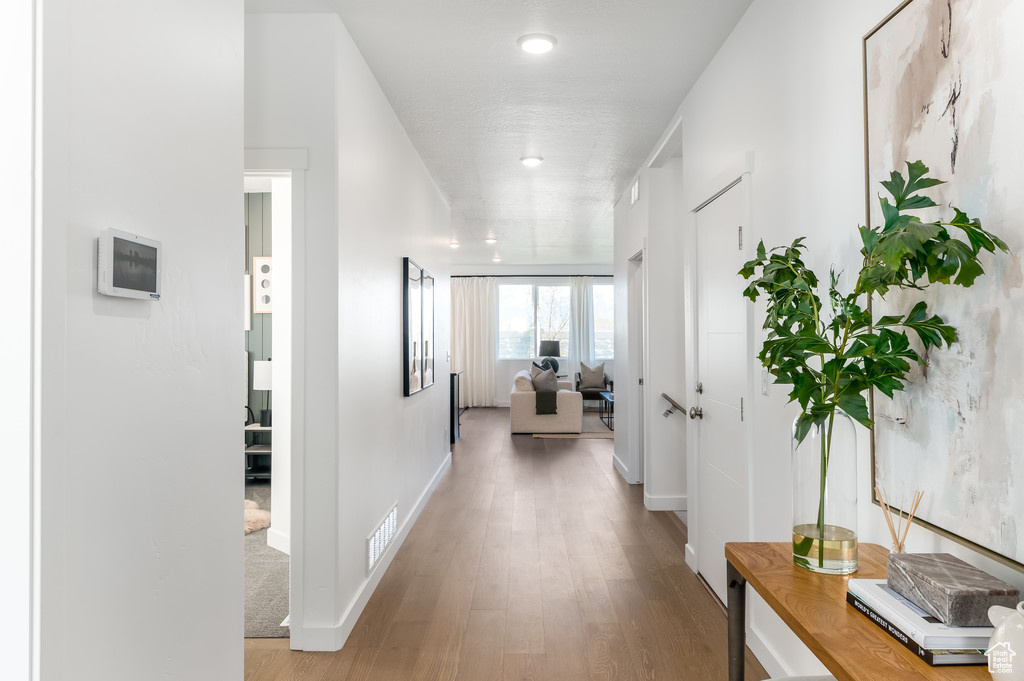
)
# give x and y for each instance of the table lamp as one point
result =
(549, 349)
(261, 380)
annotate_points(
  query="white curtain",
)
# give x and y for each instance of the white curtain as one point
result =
(474, 324)
(581, 323)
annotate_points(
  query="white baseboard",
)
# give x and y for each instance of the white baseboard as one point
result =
(659, 503)
(623, 471)
(333, 638)
(279, 540)
(764, 654)
(691, 558)
(682, 517)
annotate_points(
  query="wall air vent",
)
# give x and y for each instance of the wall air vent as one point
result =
(379, 541)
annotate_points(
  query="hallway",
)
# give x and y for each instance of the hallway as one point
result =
(533, 560)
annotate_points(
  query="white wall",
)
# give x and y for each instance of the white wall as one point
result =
(665, 438)
(290, 103)
(630, 224)
(141, 545)
(787, 86)
(653, 223)
(369, 202)
(17, 47)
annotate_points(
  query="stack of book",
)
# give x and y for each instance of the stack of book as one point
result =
(921, 633)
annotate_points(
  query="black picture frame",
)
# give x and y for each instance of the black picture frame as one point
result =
(417, 328)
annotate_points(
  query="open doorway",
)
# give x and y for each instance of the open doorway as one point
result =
(268, 413)
(637, 311)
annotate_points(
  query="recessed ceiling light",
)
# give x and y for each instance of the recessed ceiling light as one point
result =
(496, 258)
(453, 244)
(490, 240)
(531, 161)
(537, 43)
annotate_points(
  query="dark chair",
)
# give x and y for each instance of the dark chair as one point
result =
(593, 393)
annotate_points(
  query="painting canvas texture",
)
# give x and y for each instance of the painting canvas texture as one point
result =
(945, 84)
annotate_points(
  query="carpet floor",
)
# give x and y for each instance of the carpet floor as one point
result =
(266, 576)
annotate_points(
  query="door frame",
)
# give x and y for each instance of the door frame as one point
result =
(293, 163)
(637, 334)
(740, 173)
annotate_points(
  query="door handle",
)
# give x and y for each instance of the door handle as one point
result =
(696, 413)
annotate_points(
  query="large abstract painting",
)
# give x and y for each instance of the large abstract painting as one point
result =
(945, 84)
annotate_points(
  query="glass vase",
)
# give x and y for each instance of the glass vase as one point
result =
(825, 496)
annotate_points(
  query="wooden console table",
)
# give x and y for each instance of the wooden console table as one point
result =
(814, 606)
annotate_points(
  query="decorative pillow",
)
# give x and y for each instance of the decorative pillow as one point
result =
(544, 379)
(592, 378)
(523, 382)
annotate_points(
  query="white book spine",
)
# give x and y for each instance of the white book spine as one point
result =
(863, 592)
(871, 593)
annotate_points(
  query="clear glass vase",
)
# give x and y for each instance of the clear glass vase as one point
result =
(825, 497)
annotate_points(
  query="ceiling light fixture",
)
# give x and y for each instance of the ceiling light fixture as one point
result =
(536, 43)
(490, 240)
(531, 161)
(453, 244)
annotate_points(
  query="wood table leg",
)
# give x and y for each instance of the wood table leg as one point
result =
(737, 605)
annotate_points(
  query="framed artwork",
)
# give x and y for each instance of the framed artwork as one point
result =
(942, 85)
(417, 328)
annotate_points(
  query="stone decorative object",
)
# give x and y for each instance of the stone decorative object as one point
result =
(953, 591)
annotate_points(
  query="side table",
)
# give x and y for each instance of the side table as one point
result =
(606, 409)
(257, 456)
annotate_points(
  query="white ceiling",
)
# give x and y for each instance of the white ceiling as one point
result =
(473, 103)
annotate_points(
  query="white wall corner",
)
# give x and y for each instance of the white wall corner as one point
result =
(332, 638)
(624, 471)
(665, 503)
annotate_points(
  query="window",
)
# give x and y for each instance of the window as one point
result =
(553, 316)
(516, 322)
(528, 314)
(604, 321)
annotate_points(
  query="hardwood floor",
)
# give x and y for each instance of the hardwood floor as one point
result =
(533, 561)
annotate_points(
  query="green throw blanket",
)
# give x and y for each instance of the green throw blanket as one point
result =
(546, 401)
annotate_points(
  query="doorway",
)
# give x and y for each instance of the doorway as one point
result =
(722, 382)
(284, 170)
(637, 324)
(267, 470)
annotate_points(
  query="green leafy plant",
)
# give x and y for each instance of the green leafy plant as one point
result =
(833, 356)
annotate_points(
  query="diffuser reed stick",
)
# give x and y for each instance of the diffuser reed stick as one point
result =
(897, 530)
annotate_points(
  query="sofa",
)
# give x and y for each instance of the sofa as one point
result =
(523, 408)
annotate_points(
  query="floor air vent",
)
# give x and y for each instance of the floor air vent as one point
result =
(381, 538)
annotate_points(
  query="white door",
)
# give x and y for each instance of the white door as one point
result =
(722, 377)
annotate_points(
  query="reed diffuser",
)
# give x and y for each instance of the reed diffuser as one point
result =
(898, 531)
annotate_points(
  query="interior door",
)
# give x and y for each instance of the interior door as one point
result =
(722, 382)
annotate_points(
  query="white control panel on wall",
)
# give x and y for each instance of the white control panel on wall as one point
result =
(262, 285)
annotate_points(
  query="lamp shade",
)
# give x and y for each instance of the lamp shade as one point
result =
(261, 375)
(550, 348)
